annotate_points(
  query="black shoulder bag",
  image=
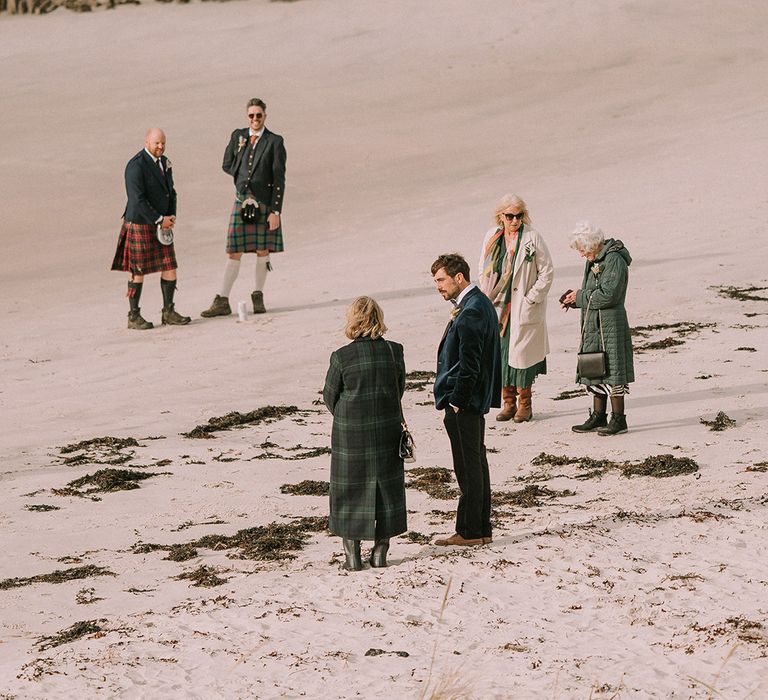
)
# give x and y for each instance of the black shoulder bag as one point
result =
(592, 365)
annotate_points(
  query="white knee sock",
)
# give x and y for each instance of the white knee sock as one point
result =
(230, 275)
(262, 267)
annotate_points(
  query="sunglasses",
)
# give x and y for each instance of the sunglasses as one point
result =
(512, 217)
(255, 115)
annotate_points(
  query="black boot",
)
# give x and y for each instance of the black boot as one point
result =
(352, 553)
(595, 421)
(617, 425)
(135, 320)
(379, 553)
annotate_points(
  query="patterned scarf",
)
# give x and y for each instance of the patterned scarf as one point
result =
(494, 285)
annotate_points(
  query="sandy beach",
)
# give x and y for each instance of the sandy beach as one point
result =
(633, 566)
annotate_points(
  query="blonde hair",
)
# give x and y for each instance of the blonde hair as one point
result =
(365, 318)
(511, 200)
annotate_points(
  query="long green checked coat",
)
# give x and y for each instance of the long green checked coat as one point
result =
(363, 388)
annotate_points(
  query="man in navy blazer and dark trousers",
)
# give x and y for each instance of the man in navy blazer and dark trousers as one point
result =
(255, 158)
(151, 204)
(467, 385)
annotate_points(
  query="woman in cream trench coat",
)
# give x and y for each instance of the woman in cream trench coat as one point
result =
(515, 273)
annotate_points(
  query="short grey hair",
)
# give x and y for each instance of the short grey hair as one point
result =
(586, 237)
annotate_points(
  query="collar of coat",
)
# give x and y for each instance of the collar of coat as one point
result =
(613, 245)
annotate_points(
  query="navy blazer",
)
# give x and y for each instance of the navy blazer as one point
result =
(267, 178)
(150, 193)
(469, 358)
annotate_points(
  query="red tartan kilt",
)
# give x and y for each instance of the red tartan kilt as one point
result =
(140, 253)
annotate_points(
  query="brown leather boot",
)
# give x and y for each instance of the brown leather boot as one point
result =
(509, 397)
(524, 411)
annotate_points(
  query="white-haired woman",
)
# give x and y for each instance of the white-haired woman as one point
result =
(604, 325)
(363, 388)
(515, 273)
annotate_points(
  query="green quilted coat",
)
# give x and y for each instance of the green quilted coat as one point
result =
(363, 389)
(605, 287)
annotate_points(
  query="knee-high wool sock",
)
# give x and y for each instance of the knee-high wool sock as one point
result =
(231, 271)
(262, 267)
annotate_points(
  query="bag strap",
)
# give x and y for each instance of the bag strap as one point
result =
(599, 323)
(397, 387)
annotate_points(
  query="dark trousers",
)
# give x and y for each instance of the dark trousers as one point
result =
(466, 432)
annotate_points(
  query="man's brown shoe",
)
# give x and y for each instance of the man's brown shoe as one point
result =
(219, 307)
(137, 323)
(171, 317)
(458, 540)
(258, 302)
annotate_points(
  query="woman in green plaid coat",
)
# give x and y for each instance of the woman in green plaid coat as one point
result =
(363, 388)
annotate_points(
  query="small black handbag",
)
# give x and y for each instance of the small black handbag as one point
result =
(592, 365)
(407, 446)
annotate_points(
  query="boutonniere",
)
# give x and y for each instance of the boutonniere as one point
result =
(455, 311)
(530, 251)
(241, 144)
(168, 164)
(596, 269)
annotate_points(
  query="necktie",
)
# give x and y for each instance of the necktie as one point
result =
(160, 165)
(253, 139)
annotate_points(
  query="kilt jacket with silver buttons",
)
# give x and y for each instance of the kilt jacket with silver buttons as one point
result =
(265, 177)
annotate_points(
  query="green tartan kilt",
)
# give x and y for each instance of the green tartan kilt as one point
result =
(249, 237)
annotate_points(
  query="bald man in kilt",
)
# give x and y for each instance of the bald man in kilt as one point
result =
(255, 158)
(151, 204)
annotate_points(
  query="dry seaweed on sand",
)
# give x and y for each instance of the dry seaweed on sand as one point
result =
(41, 508)
(569, 394)
(745, 349)
(663, 344)
(307, 487)
(58, 576)
(721, 422)
(433, 481)
(236, 419)
(105, 481)
(660, 466)
(418, 380)
(101, 450)
(272, 542)
(309, 452)
(416, 537)
(742, 293)
(70, 634)
(679, 330)
(529, 497)
(380, 652)
(758, 467)
(87, 596)
(203, 576)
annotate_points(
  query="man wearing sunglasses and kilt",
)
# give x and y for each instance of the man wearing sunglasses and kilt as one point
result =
(149, 216)
(255, 158)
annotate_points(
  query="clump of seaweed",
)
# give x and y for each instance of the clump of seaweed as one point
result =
(569, 394)
(86, 596)
(100, 450)
(418, 380)
(658, 466)
(527, 497)
(745, 349)
(203, 576)
(721, 422)
(307, 487)
(70, 634)
(181, 552)
(105, 481)
(308, 453)
(661, 466)
(272, 542)
(680, 330)
(41, 507)
(433, 481)
(235, 419)
(758, 467)
(58, 576)
(742, 293)
(416, 537)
